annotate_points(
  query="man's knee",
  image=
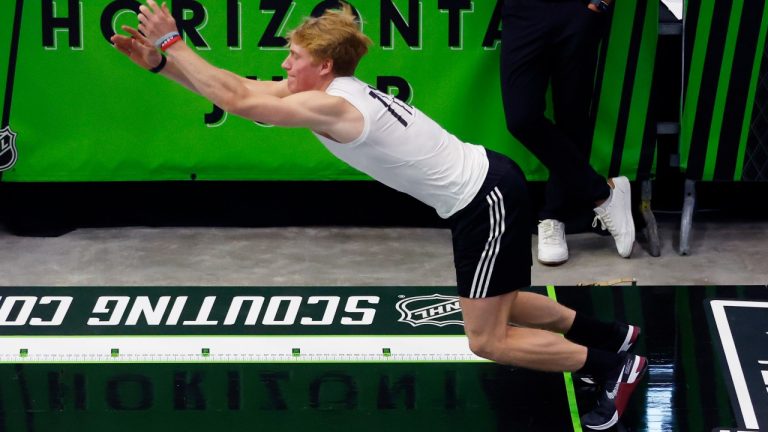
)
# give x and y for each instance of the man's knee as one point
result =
(484, 347)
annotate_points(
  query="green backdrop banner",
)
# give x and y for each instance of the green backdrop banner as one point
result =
(80, 111)
(724, 46)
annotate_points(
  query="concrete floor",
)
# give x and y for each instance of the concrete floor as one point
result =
(723, 252)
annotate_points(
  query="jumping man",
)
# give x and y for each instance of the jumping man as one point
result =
(480, 192)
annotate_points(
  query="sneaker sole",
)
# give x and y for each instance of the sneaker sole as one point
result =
(610, 424)
(552, 263)
(626, 186)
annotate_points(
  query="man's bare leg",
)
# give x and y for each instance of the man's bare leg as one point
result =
(486, 324)
(541, 312)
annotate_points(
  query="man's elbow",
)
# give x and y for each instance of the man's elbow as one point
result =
(232, 98)
(230, 103)
(247, 109)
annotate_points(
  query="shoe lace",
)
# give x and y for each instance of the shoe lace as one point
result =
(551, 231)
(605, 221)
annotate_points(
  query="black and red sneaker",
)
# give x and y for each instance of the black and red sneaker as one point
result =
(617, 389)
(630, 336)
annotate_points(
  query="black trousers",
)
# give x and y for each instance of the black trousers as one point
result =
(553, 41)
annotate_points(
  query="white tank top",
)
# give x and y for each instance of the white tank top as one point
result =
(407, 151)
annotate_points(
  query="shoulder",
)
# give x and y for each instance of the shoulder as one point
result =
(318, 99)
(322, 111)
(347, 85)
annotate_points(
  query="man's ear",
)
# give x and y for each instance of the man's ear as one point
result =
(326, 66)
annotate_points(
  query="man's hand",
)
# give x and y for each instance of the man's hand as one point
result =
(599, 6)
(138, 48)
(155, 21)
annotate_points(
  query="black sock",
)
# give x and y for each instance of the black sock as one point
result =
(593, 333)
(599, 363)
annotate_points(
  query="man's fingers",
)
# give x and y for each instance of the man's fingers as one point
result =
(120, 40)
(153, 6)
(165, 9)
(116, 42)
(135, 33)
(143, 19)
(122, 44)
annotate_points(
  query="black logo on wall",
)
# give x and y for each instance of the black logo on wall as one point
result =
(8, 153)
(741, 328)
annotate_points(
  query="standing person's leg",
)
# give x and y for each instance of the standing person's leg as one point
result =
(525, 74)
(526, 68)
(575, 61)
(573, 80)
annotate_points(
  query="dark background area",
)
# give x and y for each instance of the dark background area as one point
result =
(49, 209)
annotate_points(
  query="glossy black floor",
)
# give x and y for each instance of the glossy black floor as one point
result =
(687, 387)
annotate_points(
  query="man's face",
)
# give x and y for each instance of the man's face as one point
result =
(304, 72)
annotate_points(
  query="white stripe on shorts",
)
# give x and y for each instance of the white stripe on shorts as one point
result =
(484, 268)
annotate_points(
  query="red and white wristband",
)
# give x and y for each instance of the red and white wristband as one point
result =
(165, 42)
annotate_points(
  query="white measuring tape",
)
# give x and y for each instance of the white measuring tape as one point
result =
(205, 349)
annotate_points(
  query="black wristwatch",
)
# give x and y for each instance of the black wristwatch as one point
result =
(160, 65)
(601, 5)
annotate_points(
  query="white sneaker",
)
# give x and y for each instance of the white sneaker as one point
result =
(552, 247)
(615, 215)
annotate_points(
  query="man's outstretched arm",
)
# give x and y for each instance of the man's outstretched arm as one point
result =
(266, 102)
(220, 86)
(140, 50)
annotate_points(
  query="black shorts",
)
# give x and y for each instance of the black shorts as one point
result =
(492, 234)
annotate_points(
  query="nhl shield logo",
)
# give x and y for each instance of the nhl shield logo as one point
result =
(436, 309)
(8, 153)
